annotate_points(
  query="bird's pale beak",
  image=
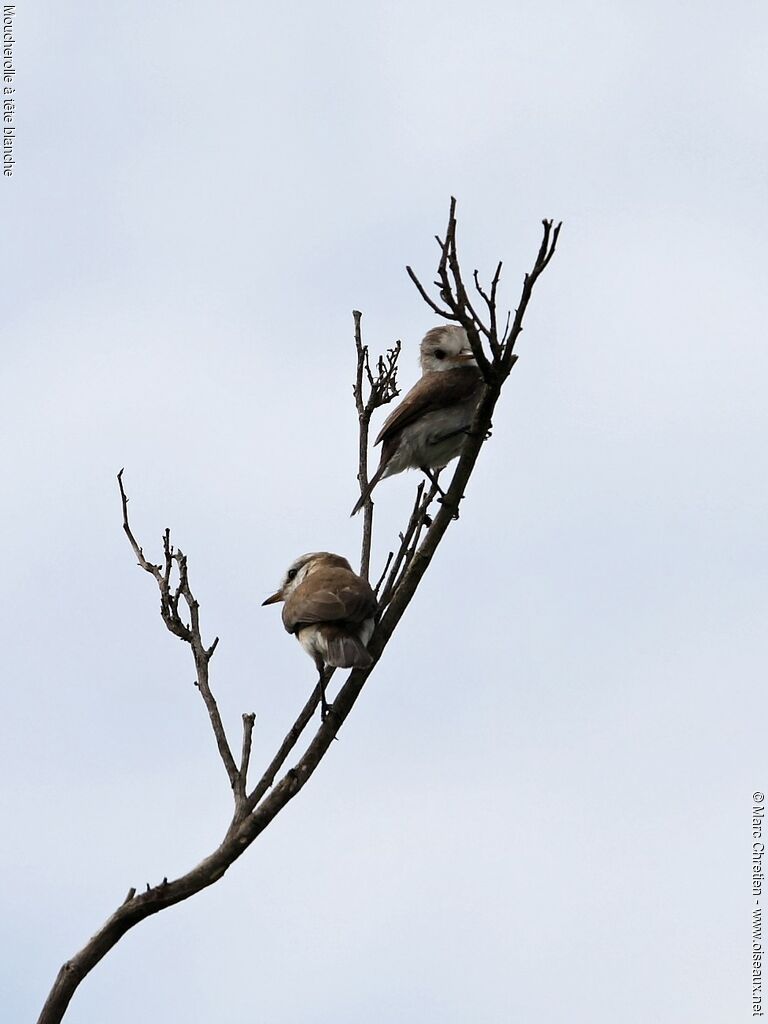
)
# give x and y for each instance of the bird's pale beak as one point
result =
(464, 357)
(273, 599)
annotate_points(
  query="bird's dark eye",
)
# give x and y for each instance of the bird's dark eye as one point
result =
(292, 573)
(439, 353)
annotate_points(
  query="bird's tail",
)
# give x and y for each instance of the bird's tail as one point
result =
(343, 649)
(367, 492)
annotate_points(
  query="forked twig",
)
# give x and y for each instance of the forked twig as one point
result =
(187, 631)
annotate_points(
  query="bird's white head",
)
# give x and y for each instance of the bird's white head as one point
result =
(302, 567)
(445, 348)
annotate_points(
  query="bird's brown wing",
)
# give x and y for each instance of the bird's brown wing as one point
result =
(329, 595)
(437, 390)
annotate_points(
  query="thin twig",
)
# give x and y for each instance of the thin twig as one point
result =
(405, 540)
(490, 301)
(446, 314)
(382, 390)
(290, 741)
(143, 562)
(245, 756)
(417, 520)
(458, 300)
(546, 252)
(377, 588)
(363, 419)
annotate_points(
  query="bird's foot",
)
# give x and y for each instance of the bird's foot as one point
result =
(325, 709)
(441, 501)
(488, 433)
(433, 479)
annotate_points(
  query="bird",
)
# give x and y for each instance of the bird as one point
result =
(428, 427)
(331, 612)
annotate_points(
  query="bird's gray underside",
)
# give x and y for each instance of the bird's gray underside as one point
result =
(433, 394)
(432, 441)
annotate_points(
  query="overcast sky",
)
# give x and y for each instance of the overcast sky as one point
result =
(540, 809)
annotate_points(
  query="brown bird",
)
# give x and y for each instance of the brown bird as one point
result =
(427, 429)
(330, 610)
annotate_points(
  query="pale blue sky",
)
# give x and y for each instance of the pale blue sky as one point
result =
(540, 809)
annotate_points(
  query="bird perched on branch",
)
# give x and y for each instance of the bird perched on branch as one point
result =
(428, 427)
(330, 610)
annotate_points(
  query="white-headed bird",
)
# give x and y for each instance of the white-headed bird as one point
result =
(428, 427)
(330, 610)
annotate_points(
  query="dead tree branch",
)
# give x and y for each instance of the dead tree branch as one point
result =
(382, 389)
(187, 631)
(180, 612)
(408, 540)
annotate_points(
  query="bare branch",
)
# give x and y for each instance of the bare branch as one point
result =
(454, 295)
(255, 811)
(490, 301)
(546, 252)
(460, 290)
(479, 288)
(245, 757)
(452, 292)
(290, 741)
(143, 562)
(363, 418)
(445, 314)
(382, 390)
(387, 564)
(418, 519)
(169, 610)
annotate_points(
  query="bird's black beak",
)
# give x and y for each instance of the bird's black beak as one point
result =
(273, 599)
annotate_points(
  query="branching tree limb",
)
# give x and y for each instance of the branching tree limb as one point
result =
(170, 597)
(255, 809)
